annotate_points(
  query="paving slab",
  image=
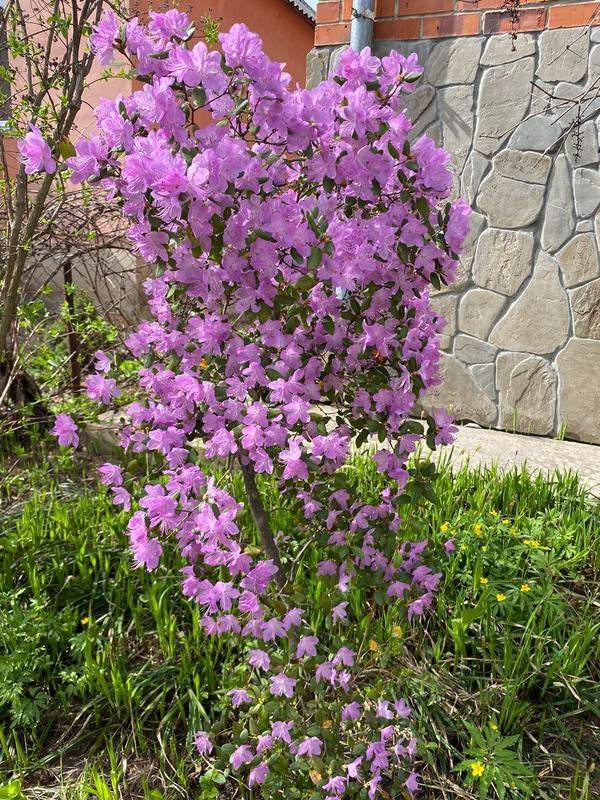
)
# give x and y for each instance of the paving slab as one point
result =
(486, 448)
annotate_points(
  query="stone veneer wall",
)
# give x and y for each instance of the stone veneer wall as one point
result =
(522, 342)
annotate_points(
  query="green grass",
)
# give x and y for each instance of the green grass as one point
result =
(104, 671)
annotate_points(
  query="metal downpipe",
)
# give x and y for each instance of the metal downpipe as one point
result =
(361, 31)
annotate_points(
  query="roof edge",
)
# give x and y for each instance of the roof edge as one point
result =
(303, 7)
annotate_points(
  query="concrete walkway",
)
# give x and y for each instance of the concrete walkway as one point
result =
(481, 447)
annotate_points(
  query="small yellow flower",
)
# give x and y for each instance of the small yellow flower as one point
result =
(327, 724)
(500, 597)
(513, 531)
(462, 546)
(203, 364)
(525, 587)
(484, 547)
(483, 581)
(477, 529)
(397, 630)
(506, 522)
(373, 646)
(85, 620)
(444, 527)
(494, 513)
(477, 769)
(493, 726)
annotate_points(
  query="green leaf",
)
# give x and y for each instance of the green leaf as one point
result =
(66, 148)
(12, 790)
(315, 258)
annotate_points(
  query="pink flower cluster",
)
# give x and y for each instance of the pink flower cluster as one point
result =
(295, 240)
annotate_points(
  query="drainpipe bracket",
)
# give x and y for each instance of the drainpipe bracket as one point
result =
(363, 14)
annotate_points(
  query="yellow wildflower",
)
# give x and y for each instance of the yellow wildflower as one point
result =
(477, 529)
(525, 587)
(397, 630)
(493, 726)
(477, 769)
(373, 646)
(462, 546)
(85, 620)
(506, 522)
(483, 581)
(494, 513)
(203, 363)
(500, 597)
(444, 527)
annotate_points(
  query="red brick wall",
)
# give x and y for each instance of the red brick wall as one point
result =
(415, 19)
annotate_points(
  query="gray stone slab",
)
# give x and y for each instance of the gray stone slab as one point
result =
(559, 220)
(504, 99)
(536, 133)
(563, 54)
(510, 203)
(503, 260)
(473, 351)
(539, 320)
(502, 49)
(578, 259)
(586, 190)
(455, 108)
(527, 393)
(478, 311)
(585, 307)
(485, 377)
(454, 61)
(522, 165)
(581, 145)
(578, 410)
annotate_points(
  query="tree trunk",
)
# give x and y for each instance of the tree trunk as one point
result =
(261, 519)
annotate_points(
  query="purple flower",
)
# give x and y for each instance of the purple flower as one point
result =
(112, 475)
(258, 775)
(239, 697)
(35, 153)
(103, 38)
(351, 711)
(102, 361)
(401, 709)
(259, 659)
(281, 730)
(353, 768)
(336, 784)
(242, 755)
(65, 430)
(282, 685)
(412, 784)
(203, 744)
(310, 747)
(344, 656)
(100, 388)
(324, 671)
(307, 646)
(339, 612)
(445, 429)
(121, 497)
(450, 546)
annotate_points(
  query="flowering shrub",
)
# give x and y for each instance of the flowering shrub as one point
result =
(294, 241)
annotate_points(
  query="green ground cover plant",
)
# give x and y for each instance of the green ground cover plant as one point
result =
(104, 669)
